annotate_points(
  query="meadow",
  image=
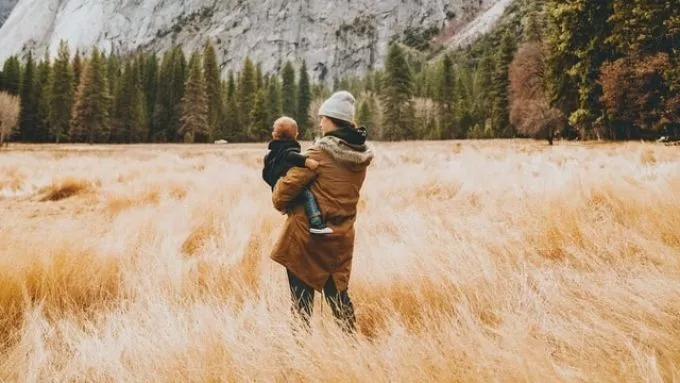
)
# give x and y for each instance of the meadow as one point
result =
(474, 261)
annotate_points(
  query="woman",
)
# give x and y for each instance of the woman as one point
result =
(324, 263)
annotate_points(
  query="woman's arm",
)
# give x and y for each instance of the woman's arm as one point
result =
(296, 159)
(291, 185)
(301, 160)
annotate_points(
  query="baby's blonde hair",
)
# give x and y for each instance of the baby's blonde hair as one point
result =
(285, 128)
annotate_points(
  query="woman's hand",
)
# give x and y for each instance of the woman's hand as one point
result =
(311, 164)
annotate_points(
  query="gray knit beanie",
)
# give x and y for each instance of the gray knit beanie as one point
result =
(339, 105)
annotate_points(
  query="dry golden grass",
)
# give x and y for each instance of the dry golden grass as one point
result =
(475, 261)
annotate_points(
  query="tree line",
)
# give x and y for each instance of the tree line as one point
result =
(611, 66)
(143, 98)
(582, 69)
(577, 68)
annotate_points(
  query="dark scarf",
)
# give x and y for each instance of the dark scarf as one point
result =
(351, 136)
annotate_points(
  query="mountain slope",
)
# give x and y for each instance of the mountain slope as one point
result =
(334, 37)
(6, 7)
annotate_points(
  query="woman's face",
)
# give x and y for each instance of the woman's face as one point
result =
(326, 125)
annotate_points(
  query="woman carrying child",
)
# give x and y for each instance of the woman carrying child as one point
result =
(324, 263)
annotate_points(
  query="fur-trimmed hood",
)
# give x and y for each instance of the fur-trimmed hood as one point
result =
(352, 156)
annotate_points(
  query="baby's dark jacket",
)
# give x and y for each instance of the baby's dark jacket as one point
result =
(282, 155)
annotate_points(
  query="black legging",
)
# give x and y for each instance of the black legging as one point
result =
(303, 301)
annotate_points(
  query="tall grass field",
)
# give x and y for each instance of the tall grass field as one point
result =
(475, 261)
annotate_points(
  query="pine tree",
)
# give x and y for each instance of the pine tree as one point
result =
(265, 81)
(560, 58)
(397, 96)
(500, 115)
(116, 116)
(231, 85)
(533, 28)
(163, 106)
(672, 78)
(12, 75)
(577, 50)
(234, 122)
(28, 119)
(447, 99)
(195, 125)
(465, 115)
(480, 105)
(642, 27)
(420, 84)
(195, 60)
(223, 131)
(258, 77)
(365, 113)
(139, 72)
(259, 126)
(114, 79)
(178, 77)
(672, 24)
(77, 69)
(288, 90)
(61, 93)
(230, 123)
(274, 106)
(246, 91)
(113, 70)
(90, 120)
(42, 85)
(304, 99)
(214, 89)
(131, 119)
(150, 80)
(485, 72)
(431, 78)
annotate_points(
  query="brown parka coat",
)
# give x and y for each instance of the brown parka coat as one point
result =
(335, 184)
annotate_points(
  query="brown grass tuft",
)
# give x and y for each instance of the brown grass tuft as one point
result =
(647, 157)
(197, 239)
(65, 188)
(64, 278)
(11, 178)
(118, 203)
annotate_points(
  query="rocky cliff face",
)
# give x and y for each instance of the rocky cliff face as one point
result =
(334, 37)
(6, 7)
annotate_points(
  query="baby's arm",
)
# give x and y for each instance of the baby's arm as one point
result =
(302, 161)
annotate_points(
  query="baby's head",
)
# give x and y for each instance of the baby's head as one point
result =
(285, 128)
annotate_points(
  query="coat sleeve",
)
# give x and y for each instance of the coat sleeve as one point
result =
(296, 159)
(291, 185)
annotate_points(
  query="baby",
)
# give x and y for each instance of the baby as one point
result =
(284, 153)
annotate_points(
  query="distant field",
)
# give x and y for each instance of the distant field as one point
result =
(475, 261)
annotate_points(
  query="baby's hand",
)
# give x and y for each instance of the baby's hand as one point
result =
(311, 164)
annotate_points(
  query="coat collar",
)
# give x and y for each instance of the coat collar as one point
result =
(354, 156)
